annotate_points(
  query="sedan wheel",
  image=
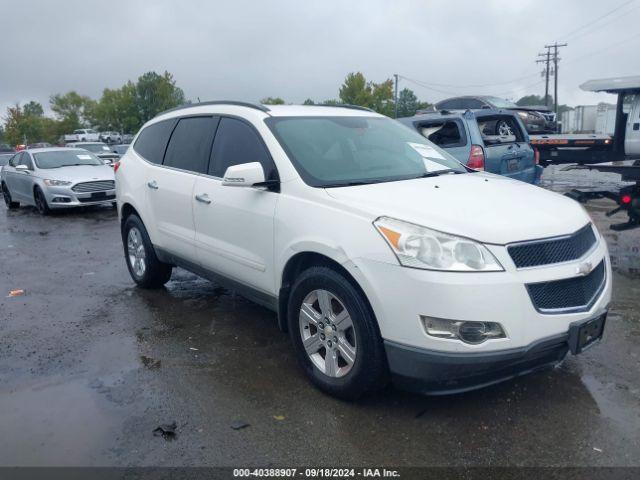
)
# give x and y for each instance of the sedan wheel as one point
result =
(41, 202)
(327, 333)
(7, 198)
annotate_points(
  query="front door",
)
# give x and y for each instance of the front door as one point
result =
(235, 225)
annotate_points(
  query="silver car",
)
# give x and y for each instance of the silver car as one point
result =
(51, 178)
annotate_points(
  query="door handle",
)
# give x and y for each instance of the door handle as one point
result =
(153, 185)
(204, 198)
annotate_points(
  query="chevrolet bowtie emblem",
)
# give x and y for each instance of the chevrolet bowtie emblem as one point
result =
(584, 268)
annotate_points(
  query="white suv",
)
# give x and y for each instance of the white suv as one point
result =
(383, 256)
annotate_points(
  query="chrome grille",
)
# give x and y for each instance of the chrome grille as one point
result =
(568, 295)
(553, 250)
(87, 187)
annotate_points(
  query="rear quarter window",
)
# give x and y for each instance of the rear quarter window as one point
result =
(445, 134)
(499, 129)
(152, 141)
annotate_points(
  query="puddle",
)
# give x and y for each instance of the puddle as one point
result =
(55, 425)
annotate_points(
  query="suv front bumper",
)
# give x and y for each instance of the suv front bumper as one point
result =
(439, 373)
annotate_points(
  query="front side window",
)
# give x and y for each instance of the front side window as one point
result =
(237, 143)
(152, 141)
(340, 151)
(65, 158)
(26, 161)
(190, 144)
(15, 160)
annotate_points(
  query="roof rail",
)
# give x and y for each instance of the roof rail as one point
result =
(343, 105)
(256, 106)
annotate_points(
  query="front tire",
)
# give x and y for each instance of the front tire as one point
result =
(11, 205)
(335, 334)
(143, 264)
(41, 202)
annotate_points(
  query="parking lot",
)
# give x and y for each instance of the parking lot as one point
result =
(90, 365)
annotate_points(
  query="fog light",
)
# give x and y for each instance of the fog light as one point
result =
(468, 332)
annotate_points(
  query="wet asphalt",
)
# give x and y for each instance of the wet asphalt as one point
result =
(90, 365)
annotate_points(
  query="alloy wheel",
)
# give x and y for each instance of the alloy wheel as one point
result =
(327, 333)
(136, 252)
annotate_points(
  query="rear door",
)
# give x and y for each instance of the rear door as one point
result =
(632, 133)
(235, 225)
(506, 146)
(170, 185)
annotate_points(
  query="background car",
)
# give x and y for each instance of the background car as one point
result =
(40, 145)
(110, 137)
(4, 147)
(4, 158)
(100, 149)
(537, 119)
(491, 140)
(50, 178)
(127, 138)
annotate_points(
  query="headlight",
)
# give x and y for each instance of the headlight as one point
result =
(56, 183)
(523, 114)
(421, 247)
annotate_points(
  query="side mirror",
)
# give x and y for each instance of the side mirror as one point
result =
(21, 168)
(244, 175)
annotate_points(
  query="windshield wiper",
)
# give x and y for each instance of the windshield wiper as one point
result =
(438, 173)
(352, 183)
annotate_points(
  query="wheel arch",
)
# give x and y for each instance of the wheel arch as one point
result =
(300, 262)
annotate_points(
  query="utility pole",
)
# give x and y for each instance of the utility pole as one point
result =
(555, 47)
(395, 96)
(546, 61)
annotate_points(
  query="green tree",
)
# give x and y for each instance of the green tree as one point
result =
(26, 124)
(156, 93)
(33, 108)
(272, 101)
(117, 110)
(407, 103)
(308, 101)
(357, 91)
(72, 109)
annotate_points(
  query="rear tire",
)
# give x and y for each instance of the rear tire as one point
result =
(41, 202)
(323, 307)
(143, 264)
(11, 205)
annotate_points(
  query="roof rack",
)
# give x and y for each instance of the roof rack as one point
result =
(256, 106)
(342, 105)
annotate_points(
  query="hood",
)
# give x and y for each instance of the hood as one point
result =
(79, 173)
(484, 207)
(532, 108)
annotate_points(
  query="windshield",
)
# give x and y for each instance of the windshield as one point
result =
(95, 147)
(121, 149)
(501, 102)
(65, 158)
(338, 151)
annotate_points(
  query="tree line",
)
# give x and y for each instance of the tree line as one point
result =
(127, 108)
(124, 109)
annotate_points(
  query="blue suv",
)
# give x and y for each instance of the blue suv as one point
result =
(491, 140)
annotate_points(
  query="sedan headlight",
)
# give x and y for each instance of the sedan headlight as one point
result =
(421, 247)
(56, 183)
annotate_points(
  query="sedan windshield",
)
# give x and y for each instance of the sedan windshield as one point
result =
(65, 158)
(95, 147)
(341, 151)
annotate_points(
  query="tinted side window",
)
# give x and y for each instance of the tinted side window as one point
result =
(152, 141)
(190, 144)
(447, 105)
(237, 143)
(473, 103)
(444, 134)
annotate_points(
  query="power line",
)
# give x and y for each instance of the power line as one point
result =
(568, 35)
(604, 50)
(589, 32)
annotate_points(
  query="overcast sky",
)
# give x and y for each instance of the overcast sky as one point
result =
(294, 49)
